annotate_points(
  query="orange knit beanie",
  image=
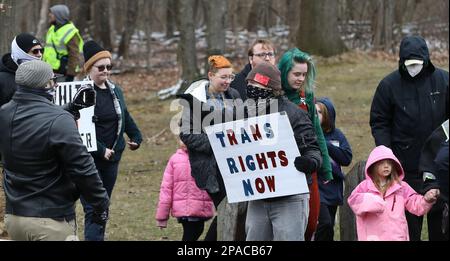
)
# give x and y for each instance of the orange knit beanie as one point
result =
(219, 62)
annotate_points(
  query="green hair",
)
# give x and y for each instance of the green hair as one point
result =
(286, 63)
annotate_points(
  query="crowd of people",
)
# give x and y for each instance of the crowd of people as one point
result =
(46, 167)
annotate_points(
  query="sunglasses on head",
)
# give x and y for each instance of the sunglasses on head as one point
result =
(38, 50)
(101, 68)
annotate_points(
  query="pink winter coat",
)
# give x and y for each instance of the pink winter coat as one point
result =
(180, 194)
(379, 218)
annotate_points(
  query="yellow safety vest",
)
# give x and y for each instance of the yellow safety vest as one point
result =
(56, 44)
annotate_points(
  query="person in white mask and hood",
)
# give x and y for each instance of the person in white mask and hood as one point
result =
(408, 105)
(24, 47)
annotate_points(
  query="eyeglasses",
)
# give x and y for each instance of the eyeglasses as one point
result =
(227, 77)
(53, 80)
(101, 68)
(264, 55)
(38, 50)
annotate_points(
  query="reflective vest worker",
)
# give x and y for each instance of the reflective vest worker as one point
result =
(63, 44)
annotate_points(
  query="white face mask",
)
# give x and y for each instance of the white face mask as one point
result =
(414, 69)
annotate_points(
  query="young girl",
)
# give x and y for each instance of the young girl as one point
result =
(332, 192)
(379, 201)
(180, 195)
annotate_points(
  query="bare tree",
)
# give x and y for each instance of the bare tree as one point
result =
(129, 28)
(101, 20)
(171, 10)
(42, 24)
(83, 16)
(7, 16)
(149, 7)
(252, 21)
(324, 39)
(215, 30)
(186, 49)
(382, 24)
(293, 19)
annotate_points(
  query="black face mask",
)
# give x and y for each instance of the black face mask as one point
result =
(254, 92)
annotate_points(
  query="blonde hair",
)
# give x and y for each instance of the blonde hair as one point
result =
(326, 123)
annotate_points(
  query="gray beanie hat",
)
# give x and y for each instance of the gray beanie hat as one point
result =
(34, 74)
(61, 13)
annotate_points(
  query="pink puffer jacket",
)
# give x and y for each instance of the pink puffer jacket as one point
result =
(383, 218)
(180, 194)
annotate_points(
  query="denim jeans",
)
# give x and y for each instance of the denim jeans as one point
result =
(284, 219)
(108, 174)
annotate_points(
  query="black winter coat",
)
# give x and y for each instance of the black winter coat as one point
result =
(204, 167)
(406, 110)
(304, 133)
(46, 165)
(7, 78)
(239, 83)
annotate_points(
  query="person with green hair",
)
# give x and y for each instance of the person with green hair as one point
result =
(297, 80)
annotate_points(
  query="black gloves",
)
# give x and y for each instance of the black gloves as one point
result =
(83, 98)
(304, 164)
(100, 218)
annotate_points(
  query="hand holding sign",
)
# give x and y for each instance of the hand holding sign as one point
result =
(84, 97)
(304, 164)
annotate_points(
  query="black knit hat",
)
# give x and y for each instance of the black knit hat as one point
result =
(26, 41)
(93, 52)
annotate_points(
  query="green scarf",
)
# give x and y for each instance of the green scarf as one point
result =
(293, 95)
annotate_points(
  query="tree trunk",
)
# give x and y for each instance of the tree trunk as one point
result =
(293, 19)
(347, 220)
(382, 25)
(186, 50)
(253, 17)
(83, 17)
(7, 15)
(215, 36)
(233, 20)
(149, 7)
(42, 24)
(102, 28)
(171, 12)
(129, 28)
(377, 24)
(389, 11)
(318, 31)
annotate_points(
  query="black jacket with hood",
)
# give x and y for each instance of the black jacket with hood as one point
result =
(406, 110)
(8, 70)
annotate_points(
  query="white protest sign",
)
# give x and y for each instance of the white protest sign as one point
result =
(256, 157)
(64, 94)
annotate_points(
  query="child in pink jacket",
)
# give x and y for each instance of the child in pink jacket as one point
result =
(179, 194)
(379, 201)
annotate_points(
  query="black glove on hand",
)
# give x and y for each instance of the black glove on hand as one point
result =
(304, 164)
(84, 97)
(100, 218)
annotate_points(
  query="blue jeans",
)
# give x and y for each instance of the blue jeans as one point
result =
(108, 174)
(283, 219)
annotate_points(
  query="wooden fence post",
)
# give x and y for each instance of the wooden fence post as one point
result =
(231, 221)
(347, 219)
